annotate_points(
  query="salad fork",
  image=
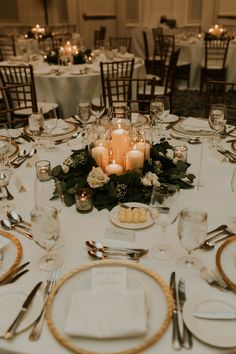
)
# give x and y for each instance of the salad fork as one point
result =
(38, 323)
(213, 279)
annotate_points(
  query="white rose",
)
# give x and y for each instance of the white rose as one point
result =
(65, 168)
(150, 179)
(97, 178)
(170, 154)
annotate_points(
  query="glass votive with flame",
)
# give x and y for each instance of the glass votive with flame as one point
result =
(84, 200)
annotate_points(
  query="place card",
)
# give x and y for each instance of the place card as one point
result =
(119, 234)
(109, 279)
(19, 185)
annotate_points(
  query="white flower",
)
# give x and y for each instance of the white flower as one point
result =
(97, 178)
(175, 160)
(65, 168)
(68, 161)
(150, 179)
(170, 154)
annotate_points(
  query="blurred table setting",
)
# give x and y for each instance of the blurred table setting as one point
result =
(111, 294)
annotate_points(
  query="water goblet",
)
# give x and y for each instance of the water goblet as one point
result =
(5, 176)
(159, 109)
(97, 107)
(46, 233)
(36, 127)
(217, 120)
(83, 111)
(164, 209)
(5, 144)
(50, 124)
(192, 231)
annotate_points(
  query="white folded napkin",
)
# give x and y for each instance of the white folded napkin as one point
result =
(196, 124)
(107, 314)
(61, 128)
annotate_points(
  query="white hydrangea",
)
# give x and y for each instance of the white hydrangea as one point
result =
(170, 154)
(150, 179)
(97, 178)
(65, 168)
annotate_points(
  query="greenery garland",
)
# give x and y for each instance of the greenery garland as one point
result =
(80, 170)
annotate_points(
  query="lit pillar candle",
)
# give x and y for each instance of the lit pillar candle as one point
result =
(100, 155)
(114, 168)
(144, 147)
(134, 159)
(120, 144)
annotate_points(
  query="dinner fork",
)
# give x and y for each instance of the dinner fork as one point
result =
(212, 279)
(38, 323)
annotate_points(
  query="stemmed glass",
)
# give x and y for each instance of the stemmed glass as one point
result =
(50, 124)
(5, 144)
(159, 109)
(36, 127)
(217, 119)
(83, 111)
(97, 107)
(5, 175)
(164, 209)
(192, 230)
(46, 233)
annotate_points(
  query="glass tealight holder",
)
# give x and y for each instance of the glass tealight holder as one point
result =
(84, 200)
(181, 152)
(43, 170)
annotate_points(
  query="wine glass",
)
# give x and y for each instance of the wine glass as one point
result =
(5, 176)
(46, 233)
(192, 231)
(164, 209)
(159, 109)
(217, 119)
(97, 107)
(5, 145)
(83, 111)
(36, 127)
(50, 124)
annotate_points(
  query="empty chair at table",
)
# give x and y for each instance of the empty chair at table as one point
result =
(213, 66)
(222, 92)
(135, 93)
(157, 31)
(14, 75)
(7, 47)
(99, 37)
(120, 42)
(113, 69)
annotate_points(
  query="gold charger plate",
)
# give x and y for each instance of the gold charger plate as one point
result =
(192, 132)
(72, 127)
(226, 261)
(160, 304)
(12, 253)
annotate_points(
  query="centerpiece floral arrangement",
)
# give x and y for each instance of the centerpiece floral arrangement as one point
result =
(161, 169)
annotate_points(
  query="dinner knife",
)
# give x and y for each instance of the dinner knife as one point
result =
(187, 340)
(215, 315)
(13, 327)
(176, 337)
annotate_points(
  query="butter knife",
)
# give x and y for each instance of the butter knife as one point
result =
(176, 337)
(215, 315)
(187, 335)
(13, 327)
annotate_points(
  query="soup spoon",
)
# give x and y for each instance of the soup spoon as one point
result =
(100, 247)
(17, 218)
(103, 255)
(26, 156)
(19, 156)
(7, 225)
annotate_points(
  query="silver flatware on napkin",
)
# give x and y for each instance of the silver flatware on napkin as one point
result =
(176, 337)
(187, 340)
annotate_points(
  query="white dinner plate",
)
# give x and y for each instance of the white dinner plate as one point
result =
(196, 129)
(12, 297)
(219, 333)
(114, 217)
(170, 118)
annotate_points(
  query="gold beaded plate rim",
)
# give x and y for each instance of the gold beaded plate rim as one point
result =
(17, 259)
(66, 341)
(72, 128)
(219, 261)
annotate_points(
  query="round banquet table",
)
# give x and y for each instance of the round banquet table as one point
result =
(66, 85)
(191, 49)
(211, 191)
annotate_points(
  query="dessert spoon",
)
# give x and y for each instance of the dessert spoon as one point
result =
(17, 218)
(100, 247)
(103, 255)
(19, 156)
(7, 225)
(26, 156)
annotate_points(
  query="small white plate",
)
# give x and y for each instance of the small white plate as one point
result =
(114, 217)
(11, 299)
(219, 333)
(170, 118)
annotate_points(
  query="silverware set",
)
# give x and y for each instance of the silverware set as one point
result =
(219, 234)
(22, 157)
(15, 274)
(181, 337)
(214, 279)
(99, 251)
(14, 221)
(227, 153)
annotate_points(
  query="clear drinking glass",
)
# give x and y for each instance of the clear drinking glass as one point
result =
(5, 145)
(97, 106)
(192, 231)
(159, 109)
(46, 233)
(164, 208)
(217, 118)
(5, 176)
(36, 127)
(83, 111)
(50, 124)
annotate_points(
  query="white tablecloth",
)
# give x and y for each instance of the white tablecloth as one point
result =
(212, 192)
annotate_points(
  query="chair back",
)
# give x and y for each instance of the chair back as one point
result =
(60, 39)
(113, 69)
(145, 45)
(20, 81)
(117, 42)
(169, 78)
(7, 46)
(157, 31)
(222, 92)
(99, 37)
(216, 50)
(135, 93)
